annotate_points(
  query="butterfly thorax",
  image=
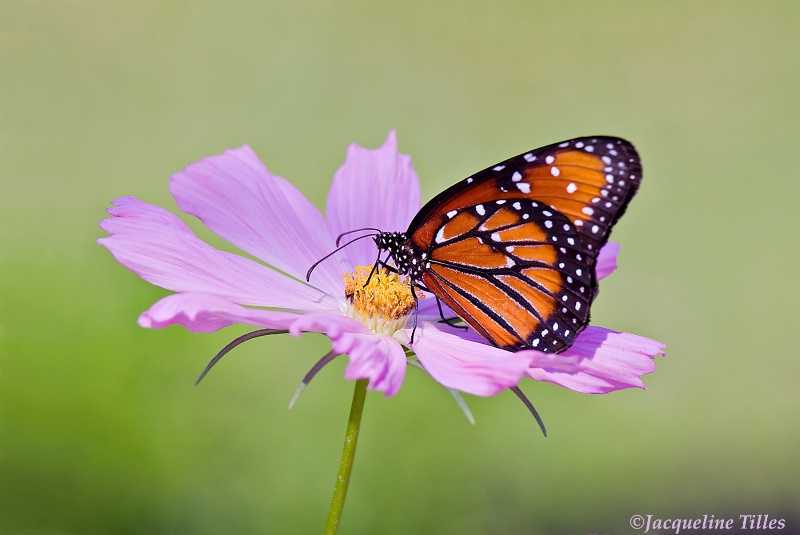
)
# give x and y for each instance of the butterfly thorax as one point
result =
(406, 260)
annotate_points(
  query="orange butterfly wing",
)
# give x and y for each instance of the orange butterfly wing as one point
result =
(513, 249)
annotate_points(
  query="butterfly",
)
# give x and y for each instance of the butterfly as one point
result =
(512, 249)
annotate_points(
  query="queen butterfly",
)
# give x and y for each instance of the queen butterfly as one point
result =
(512, 249)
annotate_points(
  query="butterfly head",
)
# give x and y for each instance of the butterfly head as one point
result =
(398, 246)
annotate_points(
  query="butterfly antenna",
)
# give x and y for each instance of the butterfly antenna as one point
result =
(343, 234)
(318, 262)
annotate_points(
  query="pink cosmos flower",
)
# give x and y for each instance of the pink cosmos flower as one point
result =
(236, 197)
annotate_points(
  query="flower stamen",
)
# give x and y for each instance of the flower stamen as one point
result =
(383, 302)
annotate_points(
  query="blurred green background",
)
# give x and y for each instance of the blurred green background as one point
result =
(101, 430)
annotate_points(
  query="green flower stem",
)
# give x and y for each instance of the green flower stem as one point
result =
(348, 454)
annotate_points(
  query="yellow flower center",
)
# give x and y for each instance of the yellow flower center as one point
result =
(382, 301)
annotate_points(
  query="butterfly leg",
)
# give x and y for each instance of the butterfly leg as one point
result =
(416, 312)
(441, 312)
(448, 320)
(379, 263)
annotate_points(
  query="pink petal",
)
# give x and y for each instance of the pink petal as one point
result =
(331, 325)
(599, 361)
(160, 248)
(239, 199)
(467, 365)
(381, 359)
(607, 260)
(205, 313)
(374, 188)
(208, 313)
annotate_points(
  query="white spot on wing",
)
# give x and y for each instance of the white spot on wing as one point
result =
(555, 171)
(572, 188)
(452, 213)
(524, 187)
